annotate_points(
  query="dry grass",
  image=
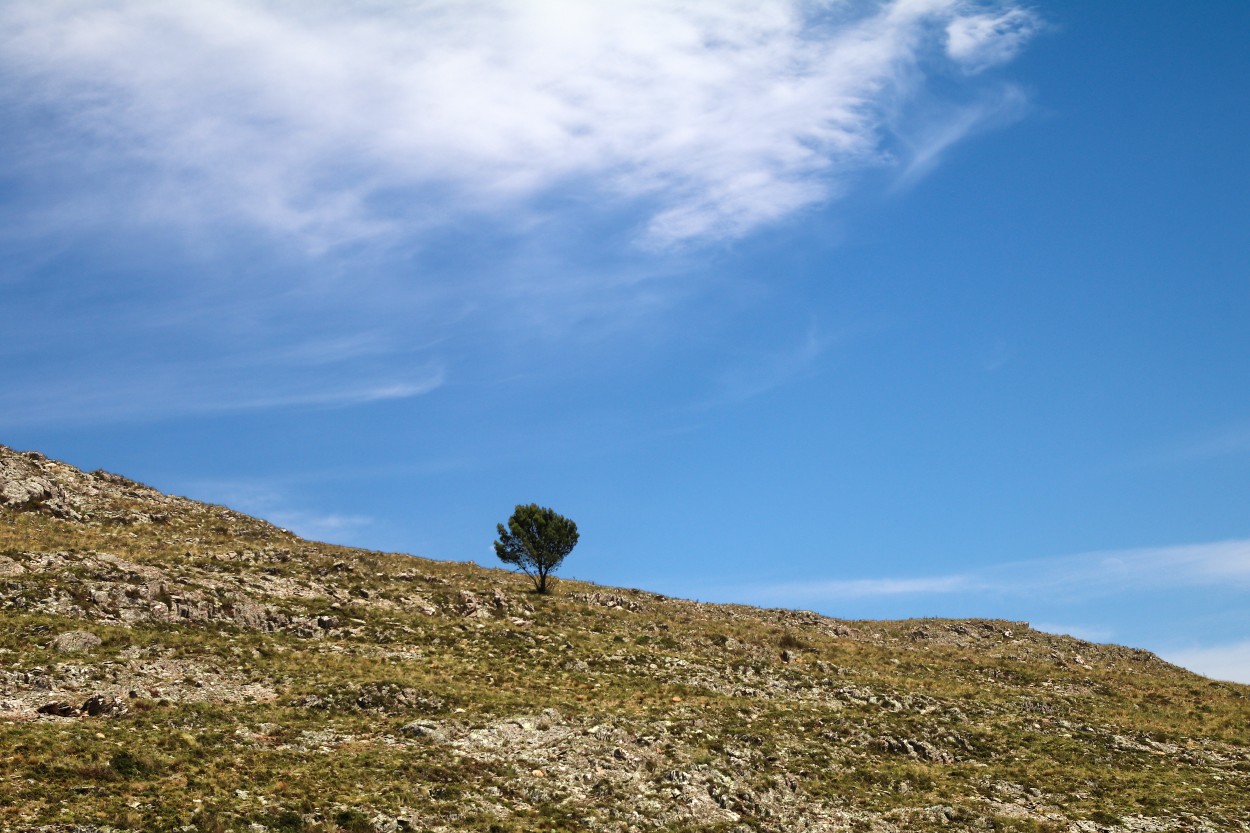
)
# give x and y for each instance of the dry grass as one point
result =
(696, 689)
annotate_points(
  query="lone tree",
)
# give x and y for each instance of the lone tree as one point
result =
(537, 540)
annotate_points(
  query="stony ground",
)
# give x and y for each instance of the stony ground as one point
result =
(168, 665)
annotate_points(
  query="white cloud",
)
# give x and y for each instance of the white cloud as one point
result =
(1215, 564)
(1223, 564)
(751, 374)
(1232, 441)
(270, 501)
(863, 588)
(319, 527)
(341, 397)
(929, 140)
(979, 41)
(1220, 662)
(332, 122)
(1090, 633)
(1089, 575)
(162, 393)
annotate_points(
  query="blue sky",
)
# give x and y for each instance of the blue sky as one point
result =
(915, 308)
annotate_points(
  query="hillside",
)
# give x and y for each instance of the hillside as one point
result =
(171, 665)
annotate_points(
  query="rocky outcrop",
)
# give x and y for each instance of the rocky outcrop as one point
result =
(100, 705)
(31, 482)
(57, 708)
(613, 601)
(75, 642)
(97, 705)
(917, 749)
(166, 664)
(25, 485)
(379, 697)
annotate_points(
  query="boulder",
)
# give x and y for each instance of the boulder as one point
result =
(31, 494)
(917, 749)
(57, 708)
(426, 729)
(75, 642)
(98, 705)
(471, 607)
(28, 486)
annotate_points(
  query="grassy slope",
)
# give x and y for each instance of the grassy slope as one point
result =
(597, 709)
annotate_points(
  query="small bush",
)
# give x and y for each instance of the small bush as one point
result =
(790, 642)
(129, 765)
(288, 821)
(353, 821)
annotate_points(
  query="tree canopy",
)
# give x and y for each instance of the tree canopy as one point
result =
(536, 541)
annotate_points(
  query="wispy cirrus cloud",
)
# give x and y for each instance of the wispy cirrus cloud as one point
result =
(333, 122)
(1229, 661)
(1090, 633)
(175, 393)
(1087, 575)
(752, 373)
(839, 589)
(936, 132)
(192, 180)
(319, 527)
(271, 500)
(1230, 441)
(1194, 580)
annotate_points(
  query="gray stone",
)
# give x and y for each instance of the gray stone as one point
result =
(75, 642)
(98, 705)
(57, 708)
(425, 729)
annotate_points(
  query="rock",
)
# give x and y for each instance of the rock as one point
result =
(75, 642)
(611, 601)
(115, 479)
(471, 607)
(28, 484)
(505, 604)
(58, 708)
(24, 492)
(250, 615)
(468, 604)
(392, 697)
(9, 567)
(917, 749)
(32, 494)
(425, 729)
(98, 705)
(385, 824)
